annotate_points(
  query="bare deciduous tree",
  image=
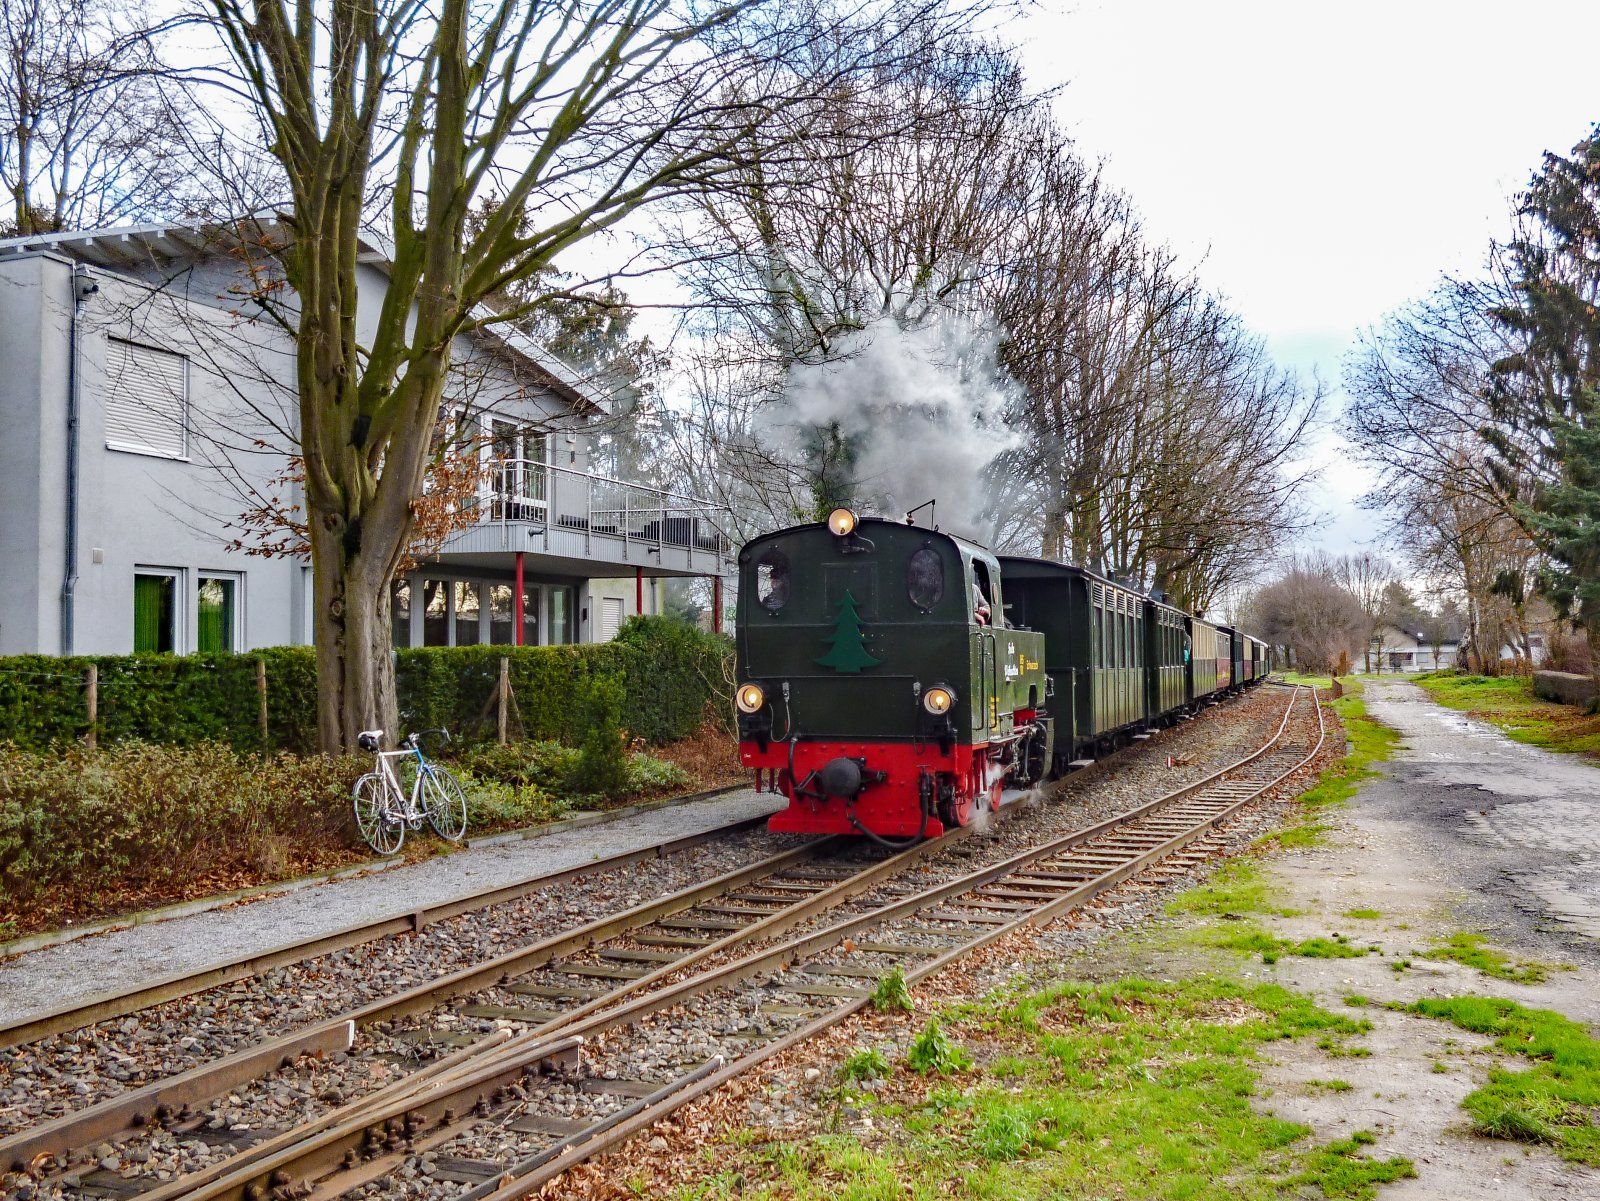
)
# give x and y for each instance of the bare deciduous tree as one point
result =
(1419, 408)
(1310, 613)
(89, 115)
(572, 118)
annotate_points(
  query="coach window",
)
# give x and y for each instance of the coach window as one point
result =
(772, 580)
(925, 578)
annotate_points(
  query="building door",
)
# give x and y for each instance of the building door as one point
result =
(521, 475)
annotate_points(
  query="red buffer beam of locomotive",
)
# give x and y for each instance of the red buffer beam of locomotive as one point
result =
(905, 790)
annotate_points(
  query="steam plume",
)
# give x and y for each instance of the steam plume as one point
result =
(916, 414)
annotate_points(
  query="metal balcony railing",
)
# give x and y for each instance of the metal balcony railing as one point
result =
(577, 503)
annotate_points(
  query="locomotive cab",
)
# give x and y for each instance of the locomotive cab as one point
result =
(880, 687)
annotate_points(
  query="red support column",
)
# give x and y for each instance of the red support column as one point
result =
(716, 604)
(517, 598)
(638, 591)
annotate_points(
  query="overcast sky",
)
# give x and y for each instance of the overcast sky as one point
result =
(1320, 163)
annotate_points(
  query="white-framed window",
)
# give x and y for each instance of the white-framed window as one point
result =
(146, 400)
(157, 606)
(219, 612)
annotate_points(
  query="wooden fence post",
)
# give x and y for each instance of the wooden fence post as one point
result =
(503, 699)
(261, 697)
(91, 693)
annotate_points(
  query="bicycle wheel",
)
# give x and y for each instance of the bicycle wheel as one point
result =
(375, 815)
(446, 804)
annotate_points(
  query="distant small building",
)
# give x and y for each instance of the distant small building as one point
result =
(1409, 651)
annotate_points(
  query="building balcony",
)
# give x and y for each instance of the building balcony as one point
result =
(590, 525)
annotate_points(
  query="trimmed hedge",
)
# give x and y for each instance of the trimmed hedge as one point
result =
(673, 677)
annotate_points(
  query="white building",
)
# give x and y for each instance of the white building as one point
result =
(143, 403)
(1406, 651)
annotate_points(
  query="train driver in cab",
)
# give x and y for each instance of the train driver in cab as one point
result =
(980, 604)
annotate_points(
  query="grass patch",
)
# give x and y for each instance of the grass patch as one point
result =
(1509, 703)
(1332, 1086)
(1251, 938)
(1470, 950)
(1362, 915)
(1554, 1101)
(1296, 677)
(1235, 889)
(1370, 743)
(1133, 1089)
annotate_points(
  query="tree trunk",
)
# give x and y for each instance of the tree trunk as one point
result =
(355, 664)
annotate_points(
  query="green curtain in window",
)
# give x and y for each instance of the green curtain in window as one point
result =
(152, 613)
(214, 627)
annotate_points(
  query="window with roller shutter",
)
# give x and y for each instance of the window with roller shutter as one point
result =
(146, 400)
(610, 617)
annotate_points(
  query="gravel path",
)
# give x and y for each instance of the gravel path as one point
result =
(42, 980)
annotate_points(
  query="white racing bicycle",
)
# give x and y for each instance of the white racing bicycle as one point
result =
(385, 809)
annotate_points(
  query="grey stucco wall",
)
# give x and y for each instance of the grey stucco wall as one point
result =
(143, 511)
(33, 418)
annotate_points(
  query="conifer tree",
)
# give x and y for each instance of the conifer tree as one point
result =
(1548, 393)
(849, 647)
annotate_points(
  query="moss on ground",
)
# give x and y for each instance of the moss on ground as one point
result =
(1131, 1089)
(1509, 703)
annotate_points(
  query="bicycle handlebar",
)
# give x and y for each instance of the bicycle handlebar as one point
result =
(414, 738)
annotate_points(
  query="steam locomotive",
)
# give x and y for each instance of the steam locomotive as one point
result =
(893, 680)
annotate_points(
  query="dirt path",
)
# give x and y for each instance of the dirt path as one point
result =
(1466, 831)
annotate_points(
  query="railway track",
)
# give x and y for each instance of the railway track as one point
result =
(762, 955)
(119, 1003)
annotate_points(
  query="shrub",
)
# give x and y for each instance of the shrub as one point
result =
(536, 763)
(140, 817)
(673, 678)
(602, 767)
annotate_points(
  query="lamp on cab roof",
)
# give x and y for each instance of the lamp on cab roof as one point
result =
(841, 523)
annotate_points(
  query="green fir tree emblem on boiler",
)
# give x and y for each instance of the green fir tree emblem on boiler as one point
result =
(849, 651)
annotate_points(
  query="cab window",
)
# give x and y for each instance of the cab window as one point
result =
(925, 578)
(772, 580)
(985, 601)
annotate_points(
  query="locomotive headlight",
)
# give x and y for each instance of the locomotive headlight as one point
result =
(750, 698)
(938, 700)
(841, 522)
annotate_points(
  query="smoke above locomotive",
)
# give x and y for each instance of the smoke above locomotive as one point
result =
(890, 408)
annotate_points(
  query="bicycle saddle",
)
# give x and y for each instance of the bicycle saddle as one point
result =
(369, 740)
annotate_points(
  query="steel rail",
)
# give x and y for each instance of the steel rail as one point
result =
(160, 1099)
(115, 1004)
(326, 1150)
